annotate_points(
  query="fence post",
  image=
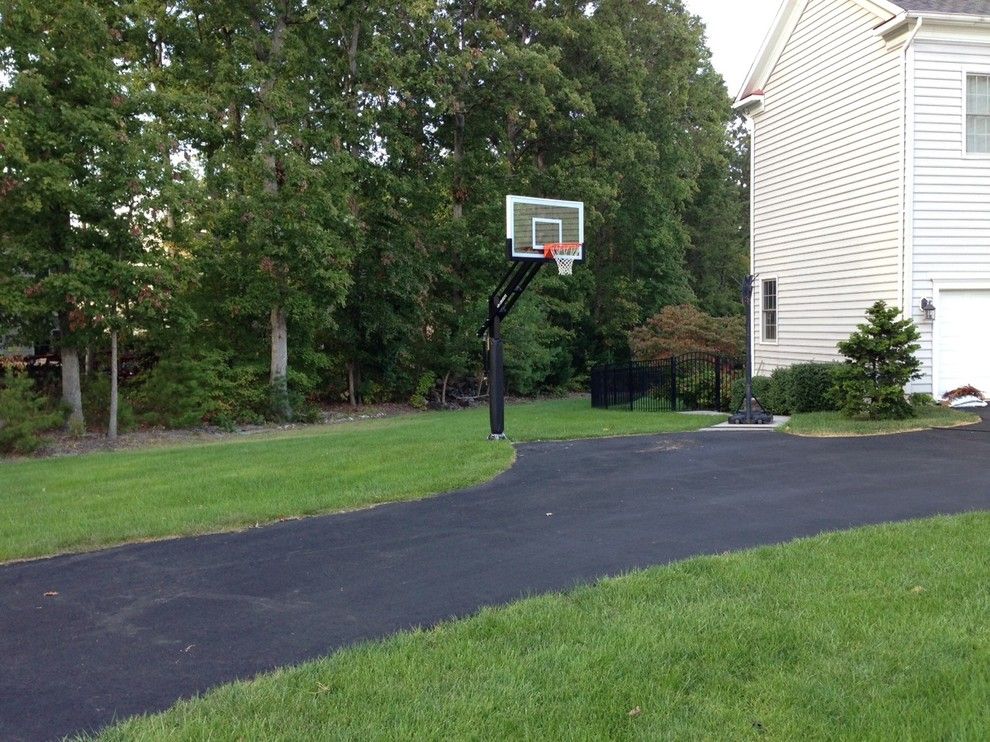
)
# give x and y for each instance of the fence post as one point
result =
(718, 383)
(629, 385)
(673, 384)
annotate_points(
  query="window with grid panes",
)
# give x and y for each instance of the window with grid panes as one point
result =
(769, 295)
(978, 114)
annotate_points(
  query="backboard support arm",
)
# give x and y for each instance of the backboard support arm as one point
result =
(500, 303)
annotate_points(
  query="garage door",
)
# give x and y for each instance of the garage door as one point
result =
(963, 352)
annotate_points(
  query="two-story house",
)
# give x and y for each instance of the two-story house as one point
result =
(871, 180)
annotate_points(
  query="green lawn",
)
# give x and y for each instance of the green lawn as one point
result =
(878, 633)
(80, 502)
(824, 424)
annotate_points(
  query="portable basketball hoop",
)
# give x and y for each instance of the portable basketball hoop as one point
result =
(565, 254)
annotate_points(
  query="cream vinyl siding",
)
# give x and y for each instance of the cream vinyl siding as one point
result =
(951, 189)
(827, 171)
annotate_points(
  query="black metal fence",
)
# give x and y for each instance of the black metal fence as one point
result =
(693, 381)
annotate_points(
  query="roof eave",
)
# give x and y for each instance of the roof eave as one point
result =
(750, 104)
(783, 25)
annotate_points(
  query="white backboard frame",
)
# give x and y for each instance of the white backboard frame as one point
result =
(526, 253)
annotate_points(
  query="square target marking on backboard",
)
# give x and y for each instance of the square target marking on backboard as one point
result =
(531, 223)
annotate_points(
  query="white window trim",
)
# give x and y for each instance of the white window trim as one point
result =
(776, 340)
(965, 111)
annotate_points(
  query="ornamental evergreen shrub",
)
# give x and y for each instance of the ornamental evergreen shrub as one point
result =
(23, 414)
(779, 395)
(810, 387)
(880, 361)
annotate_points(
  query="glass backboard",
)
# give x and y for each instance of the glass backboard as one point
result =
(531, 223)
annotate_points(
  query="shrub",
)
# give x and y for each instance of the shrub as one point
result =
(920, 399)
(188, 390)
(779, 394)
(279, 405)
(804, 387)
(23, 414)
(811, 387)
(762, 386)
(418, 398)
(686, 329)
(879, 363)
(96, 404)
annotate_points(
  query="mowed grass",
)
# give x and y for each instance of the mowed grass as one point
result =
(81, 502)
(824, 424)
(878, 633)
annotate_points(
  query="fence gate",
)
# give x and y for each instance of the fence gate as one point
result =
(693, 381)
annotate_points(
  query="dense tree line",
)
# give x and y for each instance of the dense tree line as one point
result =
(279, 199)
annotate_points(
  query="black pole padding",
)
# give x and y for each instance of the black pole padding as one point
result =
(496, 383)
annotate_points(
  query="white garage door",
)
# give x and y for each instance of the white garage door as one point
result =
(963, 353)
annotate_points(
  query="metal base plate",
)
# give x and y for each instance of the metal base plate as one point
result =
(758, 417)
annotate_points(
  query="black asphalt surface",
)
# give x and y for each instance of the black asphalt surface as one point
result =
(135, 628)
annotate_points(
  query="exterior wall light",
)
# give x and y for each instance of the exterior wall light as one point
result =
(928, 307)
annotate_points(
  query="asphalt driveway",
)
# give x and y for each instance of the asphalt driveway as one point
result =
(135, 628)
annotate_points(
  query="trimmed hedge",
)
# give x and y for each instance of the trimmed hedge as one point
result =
(804, 387)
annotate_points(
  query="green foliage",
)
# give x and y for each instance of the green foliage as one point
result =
(23, 414)
(188, 390)
(423, 386)
(82, 172)
(810, 387)
(686, 329)
(803, 387)
(175, 393)
(697, 391)
(880, 361)
(96, 404)
(763, 390)
(920, 399)
(359, 190)
(279, 407)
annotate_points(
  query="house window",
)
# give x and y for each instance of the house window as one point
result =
(978, 113)
(769, 296)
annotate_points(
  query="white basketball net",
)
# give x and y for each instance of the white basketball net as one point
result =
(565, 254)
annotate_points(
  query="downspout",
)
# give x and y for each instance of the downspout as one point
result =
(906, 288)
(751, 125)
(907, 183)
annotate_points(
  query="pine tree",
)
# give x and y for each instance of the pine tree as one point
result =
(880, 361)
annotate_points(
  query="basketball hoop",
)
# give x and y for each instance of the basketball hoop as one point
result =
(564, 254)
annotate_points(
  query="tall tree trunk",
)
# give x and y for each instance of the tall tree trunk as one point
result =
(280, 348)
(280, 364)
(72, 389)
(112, 422)
(352, 382)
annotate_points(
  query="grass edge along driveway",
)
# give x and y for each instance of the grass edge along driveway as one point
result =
(76, 503)
(876, 633)
(834, 424)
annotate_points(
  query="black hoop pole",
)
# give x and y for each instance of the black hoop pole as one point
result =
(500, 303)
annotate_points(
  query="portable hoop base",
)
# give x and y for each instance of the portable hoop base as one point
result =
(565, 254)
